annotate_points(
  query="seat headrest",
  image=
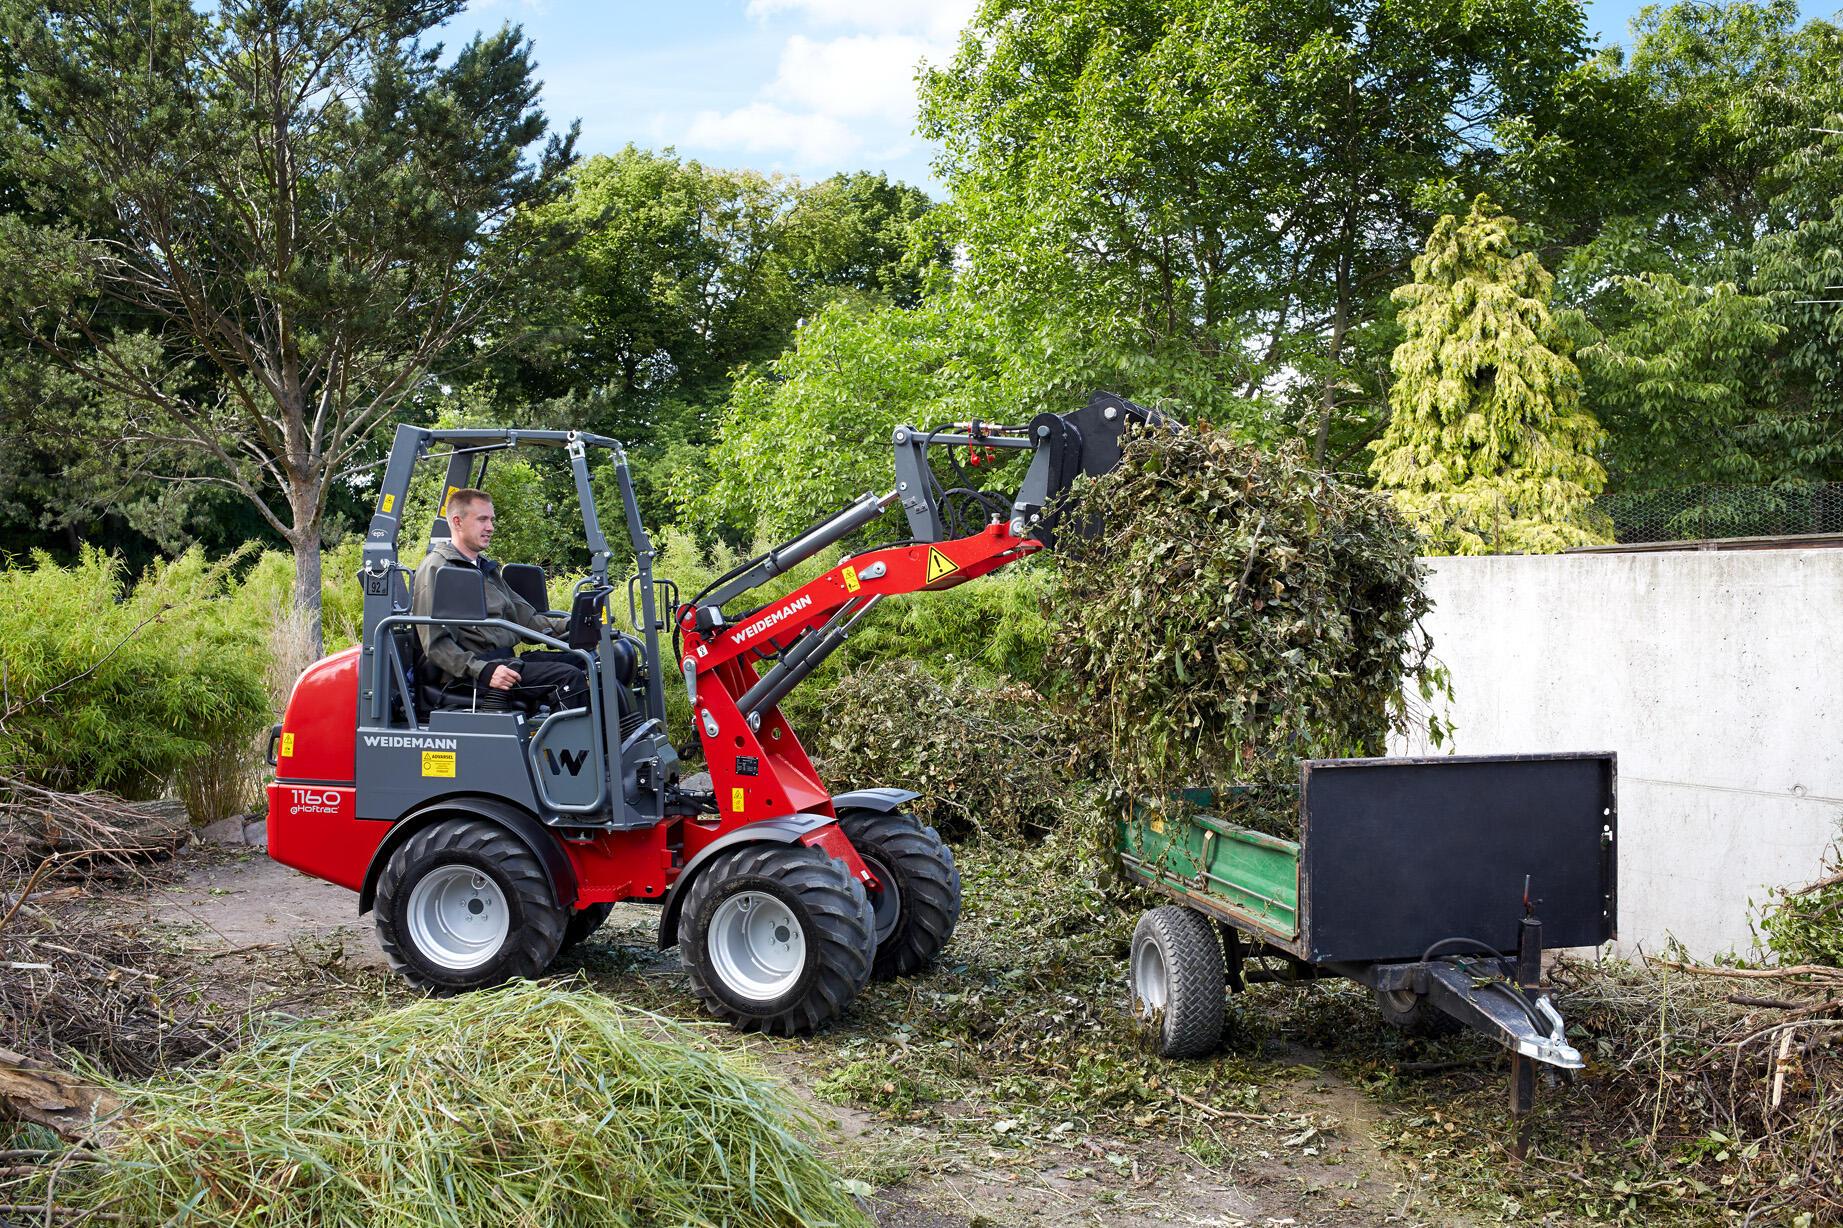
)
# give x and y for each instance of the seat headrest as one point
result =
(527, 580)
(460, 593)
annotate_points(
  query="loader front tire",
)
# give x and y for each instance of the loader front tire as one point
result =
(777, 938)
(1177, 981)
(917, 903)
(463, 904)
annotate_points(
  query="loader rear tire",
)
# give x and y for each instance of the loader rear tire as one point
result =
(463, 905)
(918, 904)
(1177, 981)
(582, 923)
(777, 938)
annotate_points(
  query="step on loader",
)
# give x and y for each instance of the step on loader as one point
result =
(487, 840)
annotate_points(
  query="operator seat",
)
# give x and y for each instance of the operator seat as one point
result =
(460, 594)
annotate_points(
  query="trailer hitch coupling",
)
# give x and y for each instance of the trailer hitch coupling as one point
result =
(1553, 1048)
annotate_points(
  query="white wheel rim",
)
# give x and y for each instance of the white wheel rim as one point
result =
(757, 946)
(458, 917)
(886, 901)
(1151, 983)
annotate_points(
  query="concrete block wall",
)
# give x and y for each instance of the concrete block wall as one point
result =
(1715, 676)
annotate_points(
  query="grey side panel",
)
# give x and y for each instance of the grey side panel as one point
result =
(786, 830)
(541, 840)
(460, 752)
(882, 800)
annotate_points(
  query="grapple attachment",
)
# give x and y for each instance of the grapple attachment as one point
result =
(1063, 447)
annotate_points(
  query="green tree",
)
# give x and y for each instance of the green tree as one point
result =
(1488, 449)
(684, 275)
(1709, 354)
(1234, 178)
(311, 205)
(1684, 384)
(813, 429)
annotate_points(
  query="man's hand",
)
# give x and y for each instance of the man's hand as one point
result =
(504, 678)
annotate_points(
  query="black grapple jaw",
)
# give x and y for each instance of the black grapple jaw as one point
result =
(1066, 446)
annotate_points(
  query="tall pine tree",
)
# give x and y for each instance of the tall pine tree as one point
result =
(1488, 449)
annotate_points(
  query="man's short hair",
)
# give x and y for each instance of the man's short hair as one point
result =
(462, 501)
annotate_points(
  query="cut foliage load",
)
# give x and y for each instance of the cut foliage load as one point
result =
(1243, 611)
(531, 1104)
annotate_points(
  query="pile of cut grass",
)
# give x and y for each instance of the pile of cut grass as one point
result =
(530, 1105)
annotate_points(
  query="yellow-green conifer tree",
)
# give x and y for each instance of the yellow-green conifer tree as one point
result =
(1488, 449)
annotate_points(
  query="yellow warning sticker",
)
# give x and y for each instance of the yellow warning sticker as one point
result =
(851, 579)
(445, 499)
(736, 799)
(438, 763)
(388, 502)
(939, 565)
(287, 746)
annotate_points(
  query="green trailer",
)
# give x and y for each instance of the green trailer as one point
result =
(1436, 882)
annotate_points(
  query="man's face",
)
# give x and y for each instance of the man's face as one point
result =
(472, 527)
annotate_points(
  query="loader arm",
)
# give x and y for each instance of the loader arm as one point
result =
(737, 671)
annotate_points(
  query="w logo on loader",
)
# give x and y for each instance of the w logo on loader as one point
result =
(572, 761)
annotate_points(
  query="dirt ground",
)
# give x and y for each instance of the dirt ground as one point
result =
(1313, 1160)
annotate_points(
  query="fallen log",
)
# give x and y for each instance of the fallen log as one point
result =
(33, 1091)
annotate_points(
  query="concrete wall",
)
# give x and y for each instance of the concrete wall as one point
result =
(1715, 676)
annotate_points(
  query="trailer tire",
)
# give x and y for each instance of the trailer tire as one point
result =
(1177, 980)
(582, 923)
(464, 905)
(916, 909)
(1414, 1014)
(777, 938)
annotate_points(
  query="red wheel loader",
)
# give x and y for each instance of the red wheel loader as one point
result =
(487, 840)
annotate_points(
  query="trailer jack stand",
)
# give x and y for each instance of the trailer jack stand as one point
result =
(1522, 1065)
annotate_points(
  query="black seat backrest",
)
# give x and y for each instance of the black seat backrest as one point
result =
(527, 580)
(460, 594)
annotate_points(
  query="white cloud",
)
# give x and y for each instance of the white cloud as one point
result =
(835, 99)
(936, 19)
(762, 127)
(863, 76)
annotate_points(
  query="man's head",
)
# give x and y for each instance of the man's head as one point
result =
(470, 520)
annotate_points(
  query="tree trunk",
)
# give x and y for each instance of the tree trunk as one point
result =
(304, 501)
(1339, 323)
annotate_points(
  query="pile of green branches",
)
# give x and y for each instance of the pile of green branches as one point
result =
(1239, 611)
(985, 758)
(533, 1104)
(1804, 925)
(1724, 1085)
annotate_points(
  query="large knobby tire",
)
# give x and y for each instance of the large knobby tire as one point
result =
(1414, 1014)
(583, 922)
(776, 938)
(1177, 980)
(463, 904)
(918, 903)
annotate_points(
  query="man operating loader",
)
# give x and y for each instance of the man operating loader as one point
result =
(482, 659)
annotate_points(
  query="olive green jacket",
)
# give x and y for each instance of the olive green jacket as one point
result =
(462, 652)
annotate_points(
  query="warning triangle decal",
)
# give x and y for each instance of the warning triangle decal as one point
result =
(939, 565)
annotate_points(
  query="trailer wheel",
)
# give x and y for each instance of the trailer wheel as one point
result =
(463, 904)
(1177, 980)
(777, 938)
(582, 923)
(1414, 1014)
(917, 906)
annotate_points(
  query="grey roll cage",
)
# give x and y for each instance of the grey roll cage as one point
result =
(381, 565)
